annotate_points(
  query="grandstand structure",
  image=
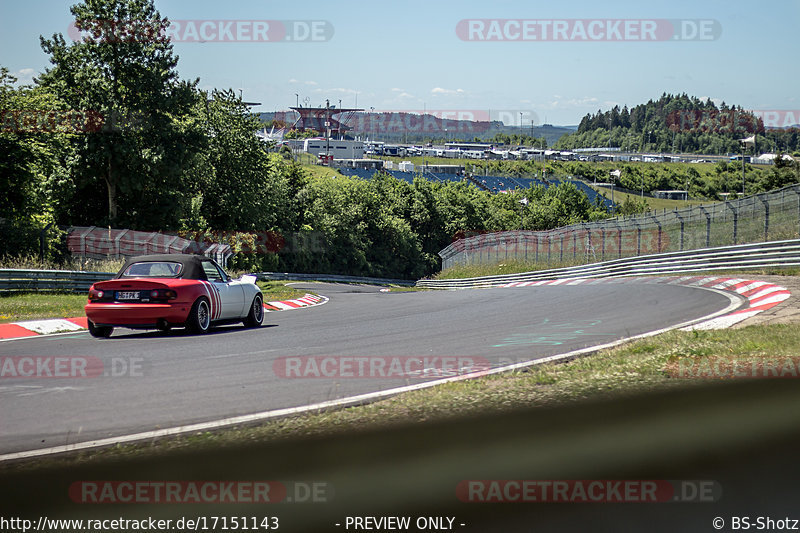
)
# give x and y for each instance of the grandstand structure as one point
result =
(494, 184)
(322, 119)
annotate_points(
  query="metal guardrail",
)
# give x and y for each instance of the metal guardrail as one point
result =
(334, 278)
(20, 280)
(758, 255)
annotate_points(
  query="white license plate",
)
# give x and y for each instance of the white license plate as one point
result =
(134, 295)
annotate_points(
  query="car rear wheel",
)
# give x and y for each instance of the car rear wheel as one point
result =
(256, 314)
(101, 332)
(199, 317)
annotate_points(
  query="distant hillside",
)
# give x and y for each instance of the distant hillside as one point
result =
(416, 127)
(679, 123)
(550, 132)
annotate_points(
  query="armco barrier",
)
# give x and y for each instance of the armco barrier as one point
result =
(19, 280)
(335, 278)
(759, 255)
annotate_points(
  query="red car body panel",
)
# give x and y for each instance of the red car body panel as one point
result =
(148, 314)
(228, 300)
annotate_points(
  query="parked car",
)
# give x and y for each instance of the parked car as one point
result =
(163, 291)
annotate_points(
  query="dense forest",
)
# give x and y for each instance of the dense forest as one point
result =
(680, 124)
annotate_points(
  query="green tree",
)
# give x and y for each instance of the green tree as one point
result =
(124, 71)
(244, 188)
(34, 146)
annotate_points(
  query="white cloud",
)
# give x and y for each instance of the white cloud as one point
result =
(335, 91)
(440, 90)
(24, 76)
(342, 90)
(571, 103)
(716, 101)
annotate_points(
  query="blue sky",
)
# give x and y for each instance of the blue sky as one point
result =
(408, 56)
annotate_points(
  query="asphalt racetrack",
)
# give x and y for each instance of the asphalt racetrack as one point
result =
(156, 380)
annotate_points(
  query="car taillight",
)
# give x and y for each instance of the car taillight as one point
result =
(163, 294)
(94, 294)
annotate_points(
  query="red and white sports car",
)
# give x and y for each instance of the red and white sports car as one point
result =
(162, 291)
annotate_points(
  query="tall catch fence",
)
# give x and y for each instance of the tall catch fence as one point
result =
(104, 243)
(763, 217)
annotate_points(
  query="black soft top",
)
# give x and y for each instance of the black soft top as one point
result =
(191, 264)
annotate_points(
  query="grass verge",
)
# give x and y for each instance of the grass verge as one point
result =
(654, 204)
(498, 269)
(31, 306)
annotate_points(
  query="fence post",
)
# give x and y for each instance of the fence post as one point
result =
(587, 243)
(680, 219)
(603, 238)
(765, 201)
(735, 212)
(708, 225)
(655, 219)
(547, 240)
(797, 192)
(638, 236)
(525, 240)
(574, 244)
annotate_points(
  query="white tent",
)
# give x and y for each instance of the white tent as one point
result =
(767, 159)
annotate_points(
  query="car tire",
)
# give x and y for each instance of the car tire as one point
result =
(199, 317)
(256, 314)
(101, 332)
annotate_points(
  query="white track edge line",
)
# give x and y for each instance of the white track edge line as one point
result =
(735, 302)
